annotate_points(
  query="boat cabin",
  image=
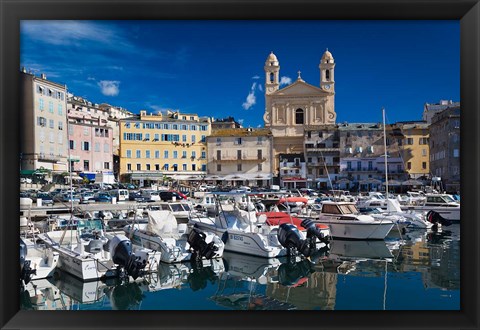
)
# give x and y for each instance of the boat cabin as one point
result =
(339, 208)
(439, 200)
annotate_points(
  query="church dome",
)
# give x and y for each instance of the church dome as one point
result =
(272, 59)
(327, 56)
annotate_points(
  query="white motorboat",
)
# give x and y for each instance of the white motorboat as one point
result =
(175, 241)
(443, 204)
(243, 232)
(345, 221)
(181, 210)
(95, 256)
(36, 262)
(402, 219)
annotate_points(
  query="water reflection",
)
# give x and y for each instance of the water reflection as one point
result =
(420, 270)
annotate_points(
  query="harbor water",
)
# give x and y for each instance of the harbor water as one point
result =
(419, 270)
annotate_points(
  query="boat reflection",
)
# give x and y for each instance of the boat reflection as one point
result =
(242, 285)
(355, 249)
(174, 276)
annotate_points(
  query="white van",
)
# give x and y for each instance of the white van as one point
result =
(122, 194)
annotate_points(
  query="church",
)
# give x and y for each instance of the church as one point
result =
(298, 107)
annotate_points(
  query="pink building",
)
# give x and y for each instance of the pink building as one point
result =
(90, 143)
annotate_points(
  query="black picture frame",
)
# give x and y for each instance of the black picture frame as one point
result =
(12, 11)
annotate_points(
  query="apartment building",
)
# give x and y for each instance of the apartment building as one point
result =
(293, 171)
(157, 146)
(43, 114)
(362, 156)
(414, 148)
(322, 154)
(90, 144)
(240, 156)
(445, 148)
(431, 109)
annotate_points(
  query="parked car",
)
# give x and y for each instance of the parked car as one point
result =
(67, 197)
(45, 197)
(130, 186)
(168, 195)
(151, 195)
(25, 180)
(87, 197)
(102, 197)
(136, 196)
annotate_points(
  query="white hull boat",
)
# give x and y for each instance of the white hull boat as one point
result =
(243, 232)
(175, 242)
(38, 262)
(345, 222)
(443, 204)
(95, 256)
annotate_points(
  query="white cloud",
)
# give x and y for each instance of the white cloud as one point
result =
(109, 87)
(91, 78)
(251, 99)
(240, 121)
(260, 88)
(71, 32)
(285, 81)
(256, 77)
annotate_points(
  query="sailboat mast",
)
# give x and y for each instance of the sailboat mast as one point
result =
(385, 154)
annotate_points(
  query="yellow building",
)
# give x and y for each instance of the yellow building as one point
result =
(155, 146)
(414, 148)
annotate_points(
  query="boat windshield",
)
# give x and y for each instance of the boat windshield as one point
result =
(348, 209)
(87, 227)
(448, 199)
(176, 207)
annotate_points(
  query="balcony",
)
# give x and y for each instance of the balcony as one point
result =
(311, 149)
(48, 158)
(236, 159)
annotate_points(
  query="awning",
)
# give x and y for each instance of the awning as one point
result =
(214, 177)
(89, 176)
(27, 172)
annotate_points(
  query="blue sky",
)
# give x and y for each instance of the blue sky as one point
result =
(215, 68)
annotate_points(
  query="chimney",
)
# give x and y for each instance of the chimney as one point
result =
(24, 70)
(43, 76)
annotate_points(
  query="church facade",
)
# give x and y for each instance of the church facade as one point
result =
(297, 108)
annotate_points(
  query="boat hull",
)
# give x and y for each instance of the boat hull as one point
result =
(347, 229)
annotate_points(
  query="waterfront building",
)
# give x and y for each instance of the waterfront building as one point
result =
(223, 123)
(90, 141)
(290, 109)
(431, 109)
(154, 147)
(322, 152)
(293, 171)
(240, 156)
(414, 148)
(108, 114)
(445, 148)
(43, 137)
(362, 161)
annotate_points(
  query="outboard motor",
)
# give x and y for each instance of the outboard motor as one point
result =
(313, 231)
(200, 248)
(435, 218)
(289, 237)
(26, 271)
(120, 248)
